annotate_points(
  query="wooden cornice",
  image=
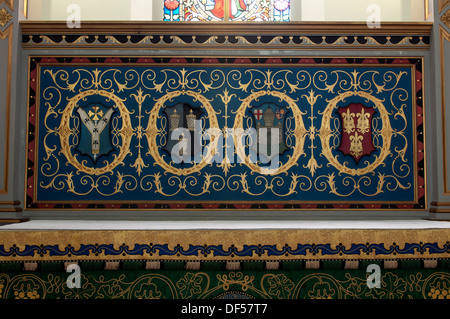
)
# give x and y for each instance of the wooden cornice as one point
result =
(226, 28)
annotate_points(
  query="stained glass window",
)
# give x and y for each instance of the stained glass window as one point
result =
(226, 10)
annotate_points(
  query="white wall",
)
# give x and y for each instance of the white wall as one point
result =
(104, 10)
(360, 10)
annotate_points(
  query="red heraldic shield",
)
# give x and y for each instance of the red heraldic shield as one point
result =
(356, 126)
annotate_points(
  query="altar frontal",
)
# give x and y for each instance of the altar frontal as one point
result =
(225, 133)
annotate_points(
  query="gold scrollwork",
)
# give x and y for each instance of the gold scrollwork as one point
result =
(153, 131)
(65, 131)
(299, 133)
(326, 133)
(389, 131)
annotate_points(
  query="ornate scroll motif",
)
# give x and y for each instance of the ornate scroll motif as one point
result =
(186, 285)
(326, 133)
(152, 132)
(231, 133)
(65, 132)
(299, 133)
(233, 41)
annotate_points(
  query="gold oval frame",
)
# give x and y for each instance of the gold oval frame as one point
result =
(325, 134)
(299, 133)
(126, 132)
(152, 131)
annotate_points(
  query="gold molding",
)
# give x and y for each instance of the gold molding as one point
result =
(25, 8)
(438, 207)
(224, 28)
(9, 3)
(427, 11)
(10, 203)
(8, 33)
(444, 36)
(443, 4)
(10, 209)
(14, 221)
(438, 210)
(226, 11)
(10, 206)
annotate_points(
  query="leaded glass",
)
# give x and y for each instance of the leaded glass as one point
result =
(226, 10)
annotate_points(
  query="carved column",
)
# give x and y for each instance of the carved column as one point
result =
(10, 205)
(440, 146)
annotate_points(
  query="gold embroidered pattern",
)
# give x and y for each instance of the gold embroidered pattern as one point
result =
(363, 122)
(321, 284)
(356, 147)
(348, 122)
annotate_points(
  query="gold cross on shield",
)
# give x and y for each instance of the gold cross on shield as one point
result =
(96, 115)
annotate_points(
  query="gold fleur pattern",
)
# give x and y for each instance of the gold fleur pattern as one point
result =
(5, 17)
